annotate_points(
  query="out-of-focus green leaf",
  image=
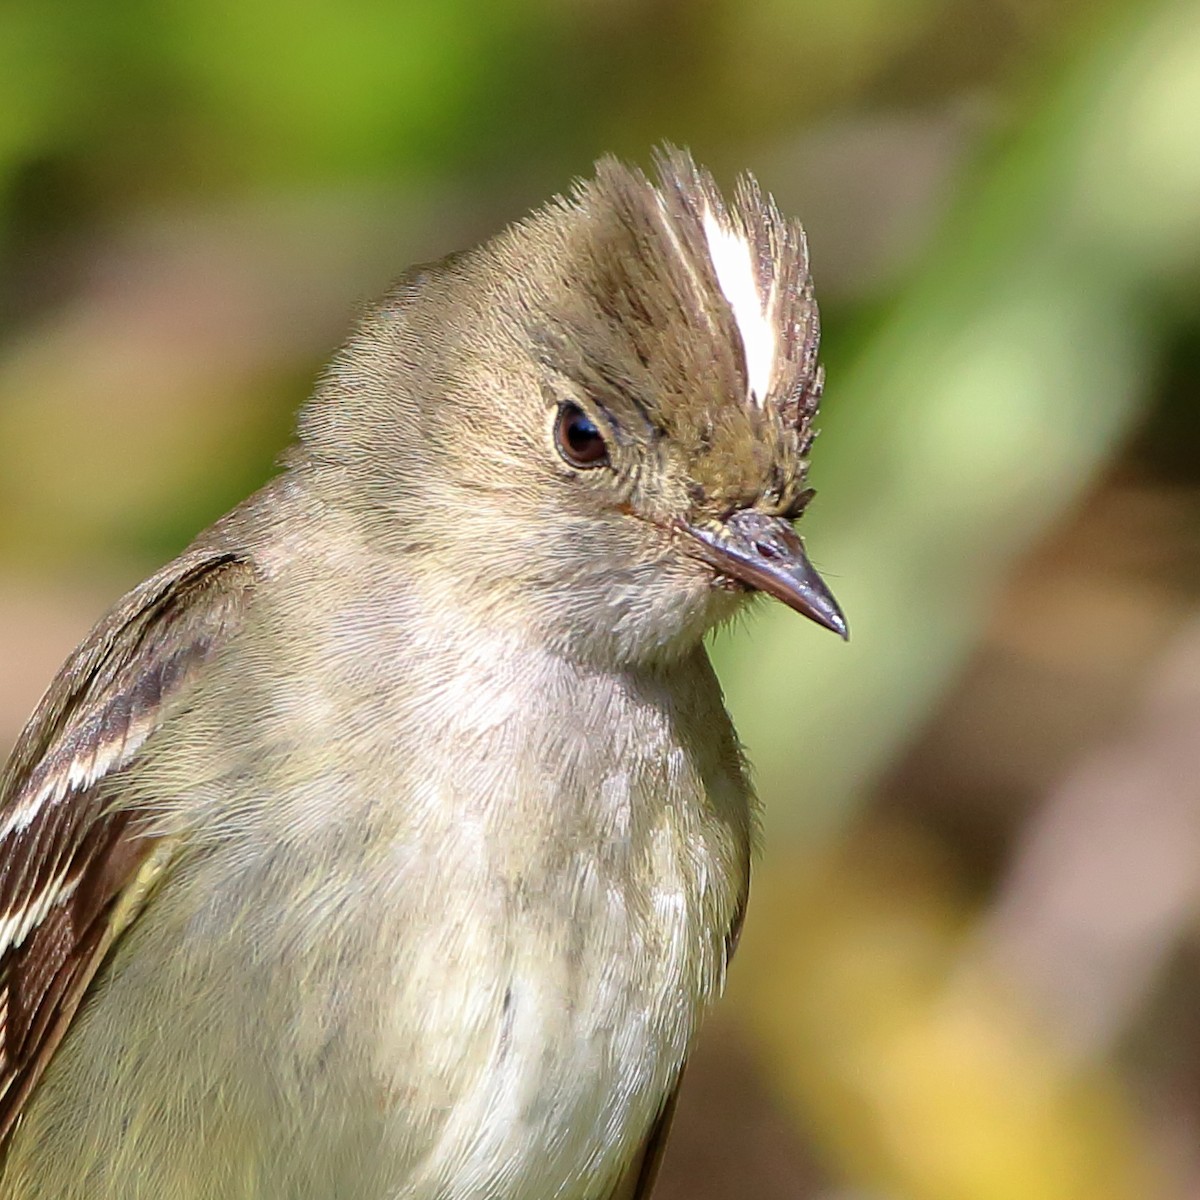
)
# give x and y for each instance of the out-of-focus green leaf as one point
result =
(984, 404)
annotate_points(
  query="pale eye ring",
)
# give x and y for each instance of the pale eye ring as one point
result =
(578, 439)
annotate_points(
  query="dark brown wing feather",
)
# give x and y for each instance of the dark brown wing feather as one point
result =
(638, 1181)
(68, 861)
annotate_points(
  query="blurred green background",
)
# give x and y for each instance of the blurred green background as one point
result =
(971, 969)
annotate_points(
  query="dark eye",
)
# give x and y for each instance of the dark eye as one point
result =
(579, 441)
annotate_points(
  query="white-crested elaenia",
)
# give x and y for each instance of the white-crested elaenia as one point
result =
(391, 842)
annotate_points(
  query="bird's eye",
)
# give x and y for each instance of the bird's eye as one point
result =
(578, 439)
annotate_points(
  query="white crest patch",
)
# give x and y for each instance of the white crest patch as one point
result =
(753, 313)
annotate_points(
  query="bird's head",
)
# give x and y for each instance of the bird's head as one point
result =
(600, 421)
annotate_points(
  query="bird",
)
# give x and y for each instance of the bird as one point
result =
(392, 842)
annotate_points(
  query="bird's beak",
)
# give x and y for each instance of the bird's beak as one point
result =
(766, 554)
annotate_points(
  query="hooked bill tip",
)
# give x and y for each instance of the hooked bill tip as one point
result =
(765, 553)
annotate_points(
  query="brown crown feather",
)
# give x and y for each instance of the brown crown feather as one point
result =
(645, 324)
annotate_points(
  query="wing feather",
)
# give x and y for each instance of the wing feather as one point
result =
(72, 868)
(637, 1183)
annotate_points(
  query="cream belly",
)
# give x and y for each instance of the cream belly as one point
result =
(476, 988)
(573, 1084)
(503, 1064)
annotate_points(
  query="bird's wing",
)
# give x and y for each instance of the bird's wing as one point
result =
(638, 1181)
(73, 870)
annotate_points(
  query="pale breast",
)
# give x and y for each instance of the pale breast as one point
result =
(478, 983)
(605, 929)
